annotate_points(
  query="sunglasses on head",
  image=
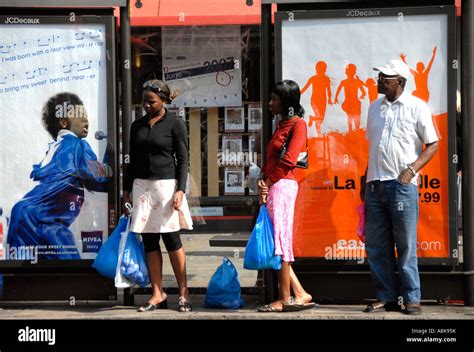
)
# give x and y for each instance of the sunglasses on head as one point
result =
(152, 85)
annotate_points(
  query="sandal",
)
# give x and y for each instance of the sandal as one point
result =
(150, 306)
(268, 308)
(292, 306)
(184, 305)
(305, 305)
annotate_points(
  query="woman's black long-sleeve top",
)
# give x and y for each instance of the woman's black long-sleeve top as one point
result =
(159, 152)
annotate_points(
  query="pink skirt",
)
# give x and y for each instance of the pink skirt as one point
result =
(281, 208)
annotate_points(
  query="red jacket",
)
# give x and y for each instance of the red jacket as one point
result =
(276, 169)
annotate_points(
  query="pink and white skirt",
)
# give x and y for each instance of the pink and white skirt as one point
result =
(153, 210)
(281, 209)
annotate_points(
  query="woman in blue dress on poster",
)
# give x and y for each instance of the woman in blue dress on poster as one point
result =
(42, 218)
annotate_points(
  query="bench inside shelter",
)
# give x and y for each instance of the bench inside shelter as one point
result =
(237, 239)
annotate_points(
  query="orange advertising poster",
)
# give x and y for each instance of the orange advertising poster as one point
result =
(332, 60)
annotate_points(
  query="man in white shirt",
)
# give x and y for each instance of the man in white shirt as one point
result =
(398, 125)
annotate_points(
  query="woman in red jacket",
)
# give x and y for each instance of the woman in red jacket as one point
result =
(278, 189)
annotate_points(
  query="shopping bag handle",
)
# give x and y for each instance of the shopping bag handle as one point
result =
(129, 217)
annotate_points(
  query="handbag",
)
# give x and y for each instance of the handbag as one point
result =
(361, 226)
(302, 160)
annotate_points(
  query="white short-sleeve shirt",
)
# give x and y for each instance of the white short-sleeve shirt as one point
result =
(396, 132)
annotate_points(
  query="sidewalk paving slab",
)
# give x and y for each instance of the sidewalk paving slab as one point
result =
(108, 311)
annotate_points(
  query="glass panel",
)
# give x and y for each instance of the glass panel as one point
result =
(56, 189)
(216, 69)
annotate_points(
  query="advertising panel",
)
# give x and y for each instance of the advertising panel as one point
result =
(57, 156)
(331, 56)
(203, 64)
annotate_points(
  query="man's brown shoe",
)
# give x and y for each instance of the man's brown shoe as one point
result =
(412, 309)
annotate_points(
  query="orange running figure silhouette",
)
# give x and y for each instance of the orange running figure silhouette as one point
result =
(321, 96)
(372, 88)
(351, 104)
(421, 77)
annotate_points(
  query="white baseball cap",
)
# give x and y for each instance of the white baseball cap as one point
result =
(393, 68)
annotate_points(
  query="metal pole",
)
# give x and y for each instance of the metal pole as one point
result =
(126, 82)
(467, 116)
(126, 97)
(266, 74)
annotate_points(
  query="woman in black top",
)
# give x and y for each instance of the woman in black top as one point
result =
(157, 174)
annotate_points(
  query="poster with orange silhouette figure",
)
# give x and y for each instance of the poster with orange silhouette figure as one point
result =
(331, 57)
(321, 95)
(420, 75)
(352, 101)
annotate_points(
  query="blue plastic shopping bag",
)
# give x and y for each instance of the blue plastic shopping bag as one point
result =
(133, 261)
(260, 250)
(106, 260)
(223, 290)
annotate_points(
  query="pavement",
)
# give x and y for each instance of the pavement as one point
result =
(104, 311)
(202, 262)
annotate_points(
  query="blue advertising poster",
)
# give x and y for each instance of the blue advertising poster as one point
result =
(55, 155)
